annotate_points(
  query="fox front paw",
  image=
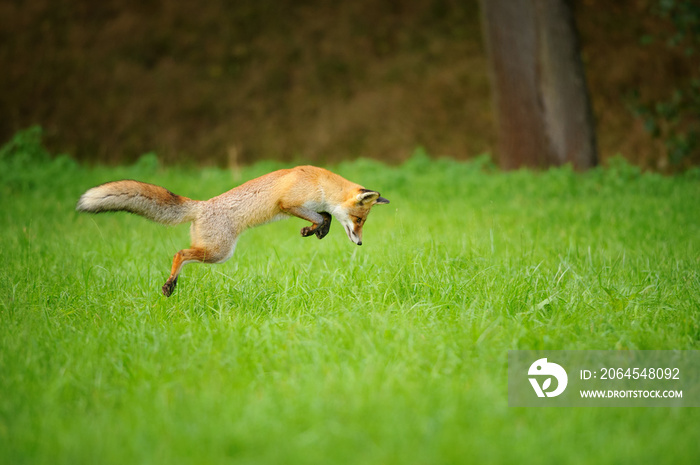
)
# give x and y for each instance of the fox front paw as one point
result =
(308, 231)
(322, 230)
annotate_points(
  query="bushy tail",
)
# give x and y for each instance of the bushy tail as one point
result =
(150, 201)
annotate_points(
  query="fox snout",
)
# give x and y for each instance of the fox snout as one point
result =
(354, 235)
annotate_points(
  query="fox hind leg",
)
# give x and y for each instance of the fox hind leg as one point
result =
(195, 254)
(181, 259)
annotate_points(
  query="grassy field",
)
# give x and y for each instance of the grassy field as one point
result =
(306, 351)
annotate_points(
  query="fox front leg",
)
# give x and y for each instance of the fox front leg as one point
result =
(322, 230)
(320, 222)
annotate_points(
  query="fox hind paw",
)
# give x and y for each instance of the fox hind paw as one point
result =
(169, 287)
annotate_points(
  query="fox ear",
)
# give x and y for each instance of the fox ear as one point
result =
(367, 196)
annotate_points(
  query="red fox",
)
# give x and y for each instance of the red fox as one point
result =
(307, 192)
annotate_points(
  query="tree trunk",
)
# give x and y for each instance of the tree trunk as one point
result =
(540, 94)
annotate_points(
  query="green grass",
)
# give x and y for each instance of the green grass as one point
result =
(306, 351)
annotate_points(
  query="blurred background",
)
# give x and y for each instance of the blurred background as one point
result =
(226, 83)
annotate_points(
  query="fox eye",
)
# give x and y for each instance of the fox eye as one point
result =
(357, 219)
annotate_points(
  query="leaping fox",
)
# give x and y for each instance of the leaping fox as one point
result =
(307, 192)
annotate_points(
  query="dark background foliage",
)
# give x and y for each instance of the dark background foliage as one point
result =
(233, 82)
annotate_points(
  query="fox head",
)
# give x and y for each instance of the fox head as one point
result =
(355, 211)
